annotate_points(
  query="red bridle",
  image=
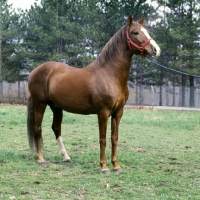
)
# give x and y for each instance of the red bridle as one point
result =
(140, 48)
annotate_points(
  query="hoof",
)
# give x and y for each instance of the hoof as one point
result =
(105, 171)
(118, 170)
(68, 160)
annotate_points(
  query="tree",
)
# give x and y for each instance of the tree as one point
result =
(181, 40)
(10, 60)
(62, 31)
(186, 36)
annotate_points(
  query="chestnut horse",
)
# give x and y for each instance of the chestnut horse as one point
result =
(99, 88)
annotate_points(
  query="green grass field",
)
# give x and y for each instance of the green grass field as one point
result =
(159, 152)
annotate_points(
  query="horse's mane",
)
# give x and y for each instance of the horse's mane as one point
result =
(110, 49)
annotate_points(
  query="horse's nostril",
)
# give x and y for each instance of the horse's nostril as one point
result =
(154, 50)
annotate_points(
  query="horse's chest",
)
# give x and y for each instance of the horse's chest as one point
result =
(116, 97)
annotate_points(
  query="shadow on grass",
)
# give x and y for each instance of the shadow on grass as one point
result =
(11, 156)
(25, 161)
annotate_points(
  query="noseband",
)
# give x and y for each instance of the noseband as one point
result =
(140, 48)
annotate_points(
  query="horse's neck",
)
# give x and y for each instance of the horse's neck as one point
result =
(116, 57)
(120, 67)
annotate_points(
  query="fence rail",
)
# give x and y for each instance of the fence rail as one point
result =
(138, 95)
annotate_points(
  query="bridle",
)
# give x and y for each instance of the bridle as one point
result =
(140, 48)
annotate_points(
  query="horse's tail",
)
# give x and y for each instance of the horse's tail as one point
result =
(30, 124)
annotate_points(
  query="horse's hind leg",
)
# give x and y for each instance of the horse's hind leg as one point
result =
(38, 114)
(56, 127)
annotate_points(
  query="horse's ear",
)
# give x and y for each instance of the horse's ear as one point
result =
(141, 21)
(129, 20)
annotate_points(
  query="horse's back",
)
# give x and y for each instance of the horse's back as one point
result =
(46, 68)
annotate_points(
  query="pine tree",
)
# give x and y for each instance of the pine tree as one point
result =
(62, 30)
(179, 37)
(185, 31)
(10, 59)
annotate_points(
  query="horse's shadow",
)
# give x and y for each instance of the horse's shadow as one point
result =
(7, 156)
(26, 158)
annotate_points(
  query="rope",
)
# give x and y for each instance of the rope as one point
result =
(173, 70)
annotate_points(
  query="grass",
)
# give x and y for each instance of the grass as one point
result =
(159, 152)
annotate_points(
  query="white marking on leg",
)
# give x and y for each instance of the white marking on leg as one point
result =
(62, 149)
(151, 41)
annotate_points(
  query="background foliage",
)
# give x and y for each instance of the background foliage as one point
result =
(75, 31)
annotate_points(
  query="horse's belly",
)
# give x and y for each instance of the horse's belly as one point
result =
(75, 104)
(79, 110)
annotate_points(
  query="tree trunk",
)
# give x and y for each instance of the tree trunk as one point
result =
(192, 99)
(18, 89)
(136, 95)
(160, 102)
(167, 94)
(161, 84)
(174, 93)
(1, 85)
(183, 91)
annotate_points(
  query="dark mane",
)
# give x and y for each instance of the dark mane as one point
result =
(110, 49)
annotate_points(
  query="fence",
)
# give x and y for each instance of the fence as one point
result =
(138, 95)
(177, 96)
(14, 93)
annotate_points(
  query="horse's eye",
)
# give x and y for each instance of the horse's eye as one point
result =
(135, 33)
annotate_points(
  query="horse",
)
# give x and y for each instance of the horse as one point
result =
(99, 88)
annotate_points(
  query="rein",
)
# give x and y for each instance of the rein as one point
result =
(140, 48)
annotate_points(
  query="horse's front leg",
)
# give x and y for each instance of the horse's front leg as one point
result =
(114, 138)
(102, 120)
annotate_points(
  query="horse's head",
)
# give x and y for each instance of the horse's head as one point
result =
(139, 40)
